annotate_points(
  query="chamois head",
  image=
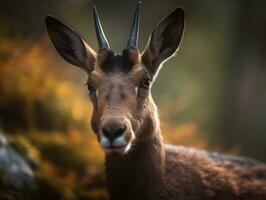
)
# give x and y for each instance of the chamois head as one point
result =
(119, 84)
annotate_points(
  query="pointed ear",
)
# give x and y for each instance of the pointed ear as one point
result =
(164, 41)
(69, 44)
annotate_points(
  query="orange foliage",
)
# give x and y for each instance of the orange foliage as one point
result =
(185, 134)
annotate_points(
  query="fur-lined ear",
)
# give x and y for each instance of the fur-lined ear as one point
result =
(164, 41)
(69, 44)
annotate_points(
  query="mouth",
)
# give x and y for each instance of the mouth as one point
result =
(118, 149)
(119, 145)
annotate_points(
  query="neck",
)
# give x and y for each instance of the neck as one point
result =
(140, 172)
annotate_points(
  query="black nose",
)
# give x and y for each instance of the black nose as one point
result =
(112, 133)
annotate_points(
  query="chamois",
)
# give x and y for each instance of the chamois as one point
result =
(125, 120)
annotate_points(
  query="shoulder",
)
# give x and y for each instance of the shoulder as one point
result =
(181, 151)
(190, 162)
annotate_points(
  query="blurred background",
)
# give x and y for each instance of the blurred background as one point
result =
(212, 95)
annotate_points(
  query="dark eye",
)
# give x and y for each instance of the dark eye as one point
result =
(145, 83)
(91, 88)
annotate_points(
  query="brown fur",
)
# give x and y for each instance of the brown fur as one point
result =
(142, 167)
(153, 171)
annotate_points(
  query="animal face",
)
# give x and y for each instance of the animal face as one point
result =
(119, 87)
(119, 84)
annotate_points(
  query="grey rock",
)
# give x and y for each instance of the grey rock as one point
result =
(15, 170)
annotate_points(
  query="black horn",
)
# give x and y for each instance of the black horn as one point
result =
(102, 41)
(133, 38)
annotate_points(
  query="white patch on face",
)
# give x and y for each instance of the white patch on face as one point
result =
(120, 141)
(128, 147)
(105, 142)
(136, 90)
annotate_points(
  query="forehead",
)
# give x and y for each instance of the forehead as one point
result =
(123, 69)
(111, 63)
